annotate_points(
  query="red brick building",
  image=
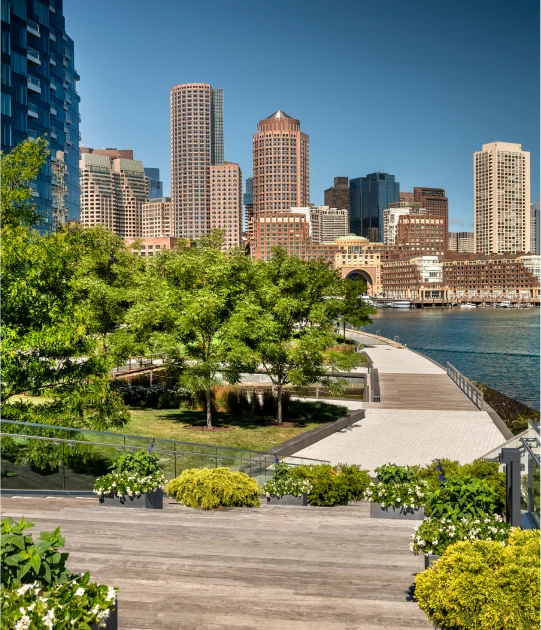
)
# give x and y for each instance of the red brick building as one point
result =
(420, 234)
(436, 203)
(151, 245)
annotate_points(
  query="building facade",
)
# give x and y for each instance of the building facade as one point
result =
(197, 143)
(248, 203)
(156, 218)
(391, 216)
(369, 197)
(421, 234)
(357, 257)
(462, 242)
(113, 190)
(150, 246)
(226, 202)
(501, 181)
(281, 164)
(435, 203)
(155, 186)
(420, 277)
(338, 195)
(534, 227)
(39, 97)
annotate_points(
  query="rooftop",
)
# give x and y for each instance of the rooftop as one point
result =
(278, 114)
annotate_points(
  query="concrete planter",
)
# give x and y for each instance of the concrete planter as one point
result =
(288, 499)
(148, 500)
(112, 621)
(409, 514)
(430, 559)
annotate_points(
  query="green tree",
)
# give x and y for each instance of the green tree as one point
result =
(352, 309)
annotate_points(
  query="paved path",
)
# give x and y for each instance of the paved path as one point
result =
(272, 568)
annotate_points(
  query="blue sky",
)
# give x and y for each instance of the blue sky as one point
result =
(410, 88)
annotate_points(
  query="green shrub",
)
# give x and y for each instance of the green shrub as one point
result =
(356, 480)
(484, 585)
(390, 473)
(333, 485)
(436, 472)
(461, 498)
(156, 396)
(488, 472)
(211, 488)
(141, 463)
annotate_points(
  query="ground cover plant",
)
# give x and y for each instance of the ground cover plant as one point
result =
(397, 486)
(211, 488)
(333, 485)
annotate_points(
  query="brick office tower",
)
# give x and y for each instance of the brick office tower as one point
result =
(338, 195)
(226, 202)
(281, 165)
(436, 203)
(114, 188)
(156, 218)
(197, 143)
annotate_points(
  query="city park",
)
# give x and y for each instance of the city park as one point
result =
(229, 532)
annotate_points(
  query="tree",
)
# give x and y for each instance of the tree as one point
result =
(352, 309)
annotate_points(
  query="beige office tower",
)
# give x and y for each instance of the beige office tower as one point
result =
(226, 202)
(501, 181)
(113, 190)
(281, 165)
(197, 142)
(332, 223)
(156, 218)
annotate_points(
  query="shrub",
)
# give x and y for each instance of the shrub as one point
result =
(437, 472)
(435, 535)
(142, 463)
(157, 396)
(210, 488)
(462, 498)
(333, 485)
(356, 480)
(390, 473)
(484, 585)
(408, 495)
(122, 484)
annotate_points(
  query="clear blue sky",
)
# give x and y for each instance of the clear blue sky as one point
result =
(410, 88)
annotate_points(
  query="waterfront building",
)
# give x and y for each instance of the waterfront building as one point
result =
(357, 257)
(150, 246)
(535, 227)
(155, 186)
(411, 278)
(248, 202)
(369, 197)
(420, 234)
(39, 98)
(156, 218)
(338, 195)
(461, 242)
(436, 203)
(226, 202)
(281, 166)
(197, 143)
(501, 178)
(113, 190)
(532, 262)
(392, 214)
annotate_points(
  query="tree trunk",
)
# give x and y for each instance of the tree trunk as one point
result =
(279, 403)
(344, 325)
(209, 408)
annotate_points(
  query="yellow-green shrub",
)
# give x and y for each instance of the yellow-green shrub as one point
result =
(483, 585)
(211, 488)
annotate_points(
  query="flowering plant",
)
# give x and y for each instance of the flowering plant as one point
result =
(408, 495)
(75, 604)
(435, 535)
(123, 484)
(280, 486)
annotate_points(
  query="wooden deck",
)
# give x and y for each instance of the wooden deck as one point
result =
(273, 568)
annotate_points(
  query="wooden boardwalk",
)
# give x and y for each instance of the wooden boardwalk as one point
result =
(273, 568)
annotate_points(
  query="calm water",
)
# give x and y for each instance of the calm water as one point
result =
(494, 346)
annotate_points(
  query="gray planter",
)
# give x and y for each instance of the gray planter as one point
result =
(149, 500)
(409, 514)
(112, 621)
(288, 499)
(430, 559)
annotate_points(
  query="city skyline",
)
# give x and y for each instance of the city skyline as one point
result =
(428, 140)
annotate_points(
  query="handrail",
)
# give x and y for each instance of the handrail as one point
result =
(534, 455)
(465, 385)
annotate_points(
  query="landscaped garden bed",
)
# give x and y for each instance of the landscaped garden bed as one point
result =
(397, 493)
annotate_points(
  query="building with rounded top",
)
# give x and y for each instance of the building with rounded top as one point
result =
(357, 257)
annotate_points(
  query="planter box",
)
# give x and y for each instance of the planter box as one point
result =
(149, 500)
(288, 499)
(430, 559)
(409, 514)
(112, 621)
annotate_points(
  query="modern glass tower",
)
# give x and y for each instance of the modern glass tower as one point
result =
(369, 197)
(39, 98)
(155, 186)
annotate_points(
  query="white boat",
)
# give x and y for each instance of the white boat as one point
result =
(467, 305)
(401, 304)
(504, 304)
(367, 300)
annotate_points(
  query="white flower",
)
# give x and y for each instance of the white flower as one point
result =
(111, 594)
(23, 589)
(79, 592)
(434, 542)
(23, 623)
(398, 500)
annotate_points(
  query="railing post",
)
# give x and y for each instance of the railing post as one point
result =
(510, 457)
(529, 495)
(63, 469)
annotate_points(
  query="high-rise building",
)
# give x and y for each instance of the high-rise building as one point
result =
(391, 216)
(534, 227)
(156, 217)
(281, 164)
(338, 195)
(435, 202)
(462, 242)
(226, 202)
(197, 143)
(369, 197)
(501, 182)
(406, 196)
(113, 190)
(248, 202)
(39, 97)
(332, 223)
(155, 186)
(421, 234)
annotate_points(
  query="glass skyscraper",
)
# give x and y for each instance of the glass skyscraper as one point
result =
(155, 186)
(369, 197)
(39, 98)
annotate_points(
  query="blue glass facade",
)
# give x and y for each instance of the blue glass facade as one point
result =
(39, 97)
(369, 197)
(155, 186)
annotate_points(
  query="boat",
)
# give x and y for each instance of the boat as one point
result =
(467, 305)
(504, 304)
(401, 304)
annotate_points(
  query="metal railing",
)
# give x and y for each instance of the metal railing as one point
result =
(464, 383)
(32, 53)
(31, 25)
(33, 80)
